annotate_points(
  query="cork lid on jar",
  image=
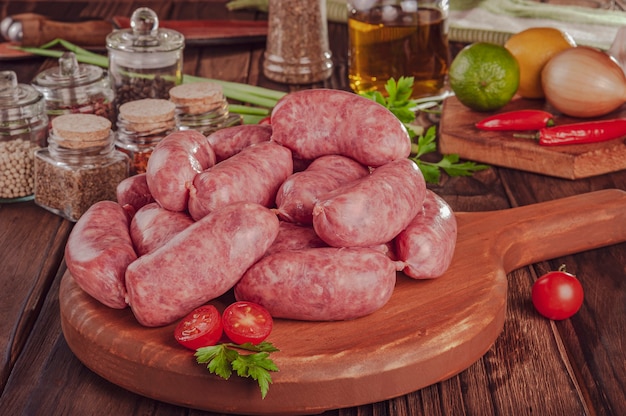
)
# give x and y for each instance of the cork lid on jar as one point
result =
(148, 114)
(197, 97)
(76, 131)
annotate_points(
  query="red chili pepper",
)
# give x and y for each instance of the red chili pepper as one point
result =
(585, 132)
(517, 120)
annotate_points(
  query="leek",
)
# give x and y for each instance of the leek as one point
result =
(259, 100)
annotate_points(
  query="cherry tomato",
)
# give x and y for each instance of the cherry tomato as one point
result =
(200, 328)
(247, 322)
(557, 295)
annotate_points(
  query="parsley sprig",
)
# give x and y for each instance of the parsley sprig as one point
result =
(449, 163)
(223, 359)
(399, 102)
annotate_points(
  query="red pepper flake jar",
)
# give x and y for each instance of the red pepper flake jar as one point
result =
(141, 125)
(202, 106)
(75, 88)
(79, 167)
(23, 130)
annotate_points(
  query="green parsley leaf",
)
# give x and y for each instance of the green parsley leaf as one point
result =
(449, 163)
(257, 366)
(398, 101)
(223, 359)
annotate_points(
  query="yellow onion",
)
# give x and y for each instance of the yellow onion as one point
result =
(584, 82)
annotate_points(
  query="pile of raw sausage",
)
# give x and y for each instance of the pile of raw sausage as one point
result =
(310, 215)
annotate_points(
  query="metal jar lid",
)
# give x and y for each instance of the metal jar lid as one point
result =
(158, 45)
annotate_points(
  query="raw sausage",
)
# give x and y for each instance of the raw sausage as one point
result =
(153, 226)
(295, 237)
(427, 244)
(200, 263)
(98, 251)
(175, 161)
(320, 284)
(318, 122)
(298, 236)
(134, 192)
(371, 210)
(252, 175)
(232, 140)
(297, 195)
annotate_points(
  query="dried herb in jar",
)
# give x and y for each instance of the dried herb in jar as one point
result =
(79, 167)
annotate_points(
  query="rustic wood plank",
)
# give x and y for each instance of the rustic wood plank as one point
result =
(26, 280)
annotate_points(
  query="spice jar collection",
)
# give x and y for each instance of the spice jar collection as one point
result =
(68, 138)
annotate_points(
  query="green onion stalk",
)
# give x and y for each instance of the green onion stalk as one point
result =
(256, 102)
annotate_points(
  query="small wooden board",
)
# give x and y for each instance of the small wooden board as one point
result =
(457, 134)
(428, 331)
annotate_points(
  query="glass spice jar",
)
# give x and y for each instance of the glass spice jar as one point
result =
(202, 106)
(75, 88)
(297, 50)
(79, 167)
(23, 130)
(145, 61)
(141, 125)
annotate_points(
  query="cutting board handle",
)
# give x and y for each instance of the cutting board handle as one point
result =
(529, 234)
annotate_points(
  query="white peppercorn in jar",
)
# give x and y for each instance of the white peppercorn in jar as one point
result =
(141, 125)
(23, 130)
(297, 50)
(145, 61)
(202, 106)
(75, 88)
(79, 167)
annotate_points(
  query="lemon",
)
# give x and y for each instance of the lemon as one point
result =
(533, 48)
(484, 76)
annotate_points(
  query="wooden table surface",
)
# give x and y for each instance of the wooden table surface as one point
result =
(535, 367)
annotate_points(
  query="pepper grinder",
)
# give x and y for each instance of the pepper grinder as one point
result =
(297, 50)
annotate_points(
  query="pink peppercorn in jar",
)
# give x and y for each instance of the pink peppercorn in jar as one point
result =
(75, 88)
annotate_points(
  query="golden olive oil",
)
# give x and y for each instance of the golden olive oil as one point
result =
(410, 44)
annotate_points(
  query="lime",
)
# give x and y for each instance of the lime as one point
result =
(484, 76)
(533, 48)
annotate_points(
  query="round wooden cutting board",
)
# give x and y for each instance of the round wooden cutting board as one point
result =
(428, 331)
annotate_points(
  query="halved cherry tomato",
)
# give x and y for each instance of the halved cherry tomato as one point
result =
(247, 322)
(557, 295)
(200, 328)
